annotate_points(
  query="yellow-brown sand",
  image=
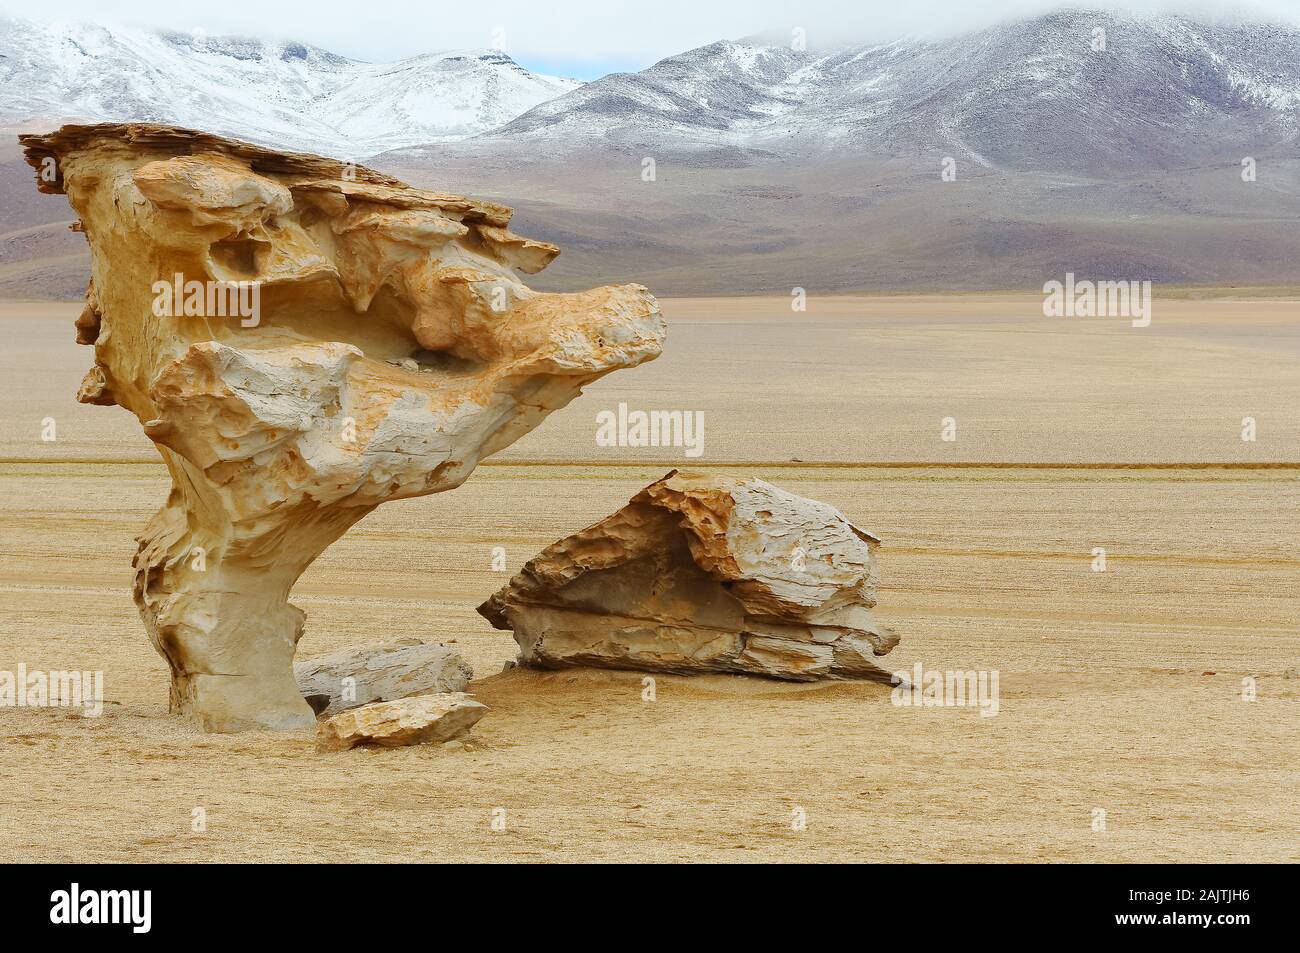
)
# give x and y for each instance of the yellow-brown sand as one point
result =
(850, 380)
(1105, 701)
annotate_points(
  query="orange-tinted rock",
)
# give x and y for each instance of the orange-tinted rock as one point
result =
(303, 339)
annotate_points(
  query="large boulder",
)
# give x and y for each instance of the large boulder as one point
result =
(303, 340)
(703, 573)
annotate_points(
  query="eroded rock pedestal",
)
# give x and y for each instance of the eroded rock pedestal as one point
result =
(701, 573)
(303, 340)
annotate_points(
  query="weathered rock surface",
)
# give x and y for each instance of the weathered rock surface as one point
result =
(333, 339)
(420, 719)
(702, 573)
(350, 678)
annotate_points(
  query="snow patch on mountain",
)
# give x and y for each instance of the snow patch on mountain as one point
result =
(1038, 92)
(284, 94)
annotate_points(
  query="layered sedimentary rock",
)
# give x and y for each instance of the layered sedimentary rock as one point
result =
(350, 678)
(701, 573)
(303, 339)
(408, 721)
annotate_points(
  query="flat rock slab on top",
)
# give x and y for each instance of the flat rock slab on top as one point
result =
(704, 573)
(385, 672)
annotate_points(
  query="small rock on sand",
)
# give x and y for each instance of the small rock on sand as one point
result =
(421, 719)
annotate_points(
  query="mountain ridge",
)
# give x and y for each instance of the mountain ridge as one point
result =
(1160, 90)
(776, 168)
(280, 93)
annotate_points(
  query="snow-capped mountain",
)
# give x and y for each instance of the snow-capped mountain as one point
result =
(1076, 88)
(1112, 152)
(284, 94)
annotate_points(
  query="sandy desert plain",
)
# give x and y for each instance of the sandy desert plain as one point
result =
(1120, 691)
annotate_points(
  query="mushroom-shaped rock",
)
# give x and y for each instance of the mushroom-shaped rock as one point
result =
(702, 573)
(303, 339)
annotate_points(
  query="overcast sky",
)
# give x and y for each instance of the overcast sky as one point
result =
(583, 38)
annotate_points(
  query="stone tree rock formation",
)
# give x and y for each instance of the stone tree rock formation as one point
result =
(303, 340)
(702, 573)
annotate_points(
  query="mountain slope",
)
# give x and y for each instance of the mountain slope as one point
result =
(711, 92)
(778, 168)
(284, 94)
(822, 169)
(1164, 92)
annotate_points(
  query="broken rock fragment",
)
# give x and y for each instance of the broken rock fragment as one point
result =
(420, 719)
(349, 678)
(704, 573)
